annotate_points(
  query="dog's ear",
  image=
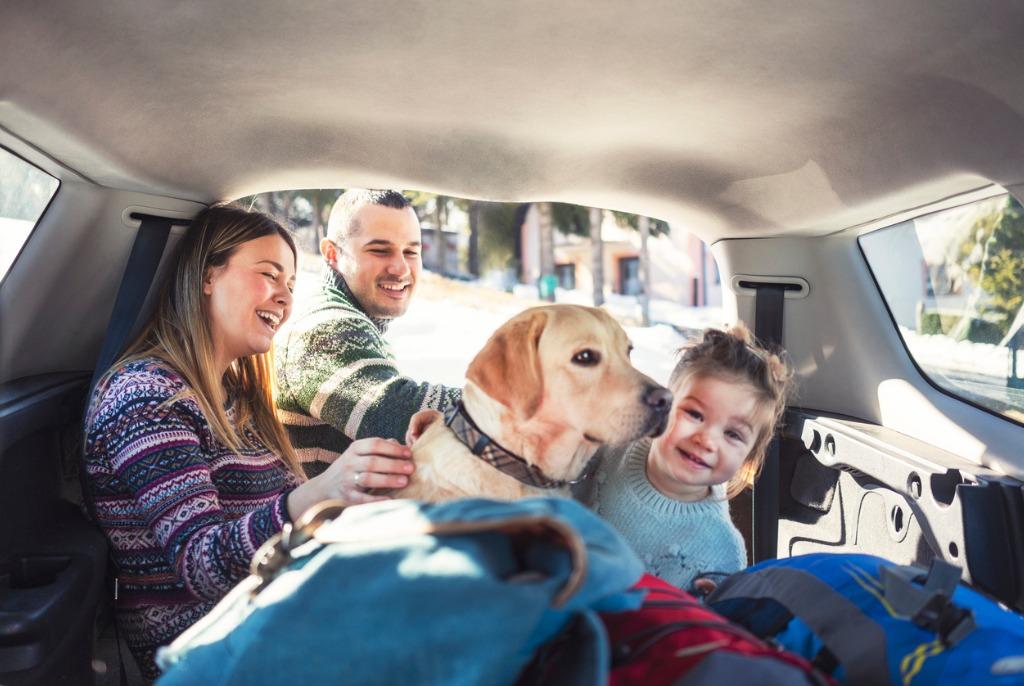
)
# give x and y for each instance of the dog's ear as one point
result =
(419, 423)
(508, 368)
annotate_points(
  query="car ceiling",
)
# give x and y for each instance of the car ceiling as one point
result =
(735, 118)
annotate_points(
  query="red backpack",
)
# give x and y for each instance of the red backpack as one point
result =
(674, 639)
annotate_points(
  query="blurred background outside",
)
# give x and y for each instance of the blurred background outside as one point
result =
(485, 261)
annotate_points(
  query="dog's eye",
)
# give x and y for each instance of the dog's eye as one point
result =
(586, 358)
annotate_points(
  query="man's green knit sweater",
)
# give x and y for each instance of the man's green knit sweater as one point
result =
(337, 379)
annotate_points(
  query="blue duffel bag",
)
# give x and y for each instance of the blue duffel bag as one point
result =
(870, 622)
(405, 592)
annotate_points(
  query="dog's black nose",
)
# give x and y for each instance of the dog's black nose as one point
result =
(658, 398)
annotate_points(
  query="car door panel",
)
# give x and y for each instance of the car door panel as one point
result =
(850, 486)
(52, 559)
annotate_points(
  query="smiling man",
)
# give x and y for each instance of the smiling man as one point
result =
(336, 374)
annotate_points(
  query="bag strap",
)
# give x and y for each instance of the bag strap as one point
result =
(857, 641)
(276, 552)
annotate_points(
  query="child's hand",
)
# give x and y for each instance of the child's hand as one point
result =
(704, 587)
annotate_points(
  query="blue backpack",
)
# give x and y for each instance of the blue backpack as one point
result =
(870, 622)
(402, 592)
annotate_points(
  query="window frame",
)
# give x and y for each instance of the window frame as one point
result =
(892, 317)
(39, 219)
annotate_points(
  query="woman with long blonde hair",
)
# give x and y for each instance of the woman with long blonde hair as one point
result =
(188, 467)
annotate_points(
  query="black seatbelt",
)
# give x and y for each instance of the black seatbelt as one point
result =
(768, 320)
(138, 275)
(143, 261)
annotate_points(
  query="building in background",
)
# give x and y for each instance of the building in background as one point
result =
(683, 269)
(455, 244)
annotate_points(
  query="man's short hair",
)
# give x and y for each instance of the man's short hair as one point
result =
(340, 224)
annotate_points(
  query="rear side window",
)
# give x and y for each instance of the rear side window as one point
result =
(25, 191)
(954, 282)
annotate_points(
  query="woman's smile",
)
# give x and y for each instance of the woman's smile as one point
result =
(269, 319)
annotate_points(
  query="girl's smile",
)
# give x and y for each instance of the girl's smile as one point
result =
(693, 459)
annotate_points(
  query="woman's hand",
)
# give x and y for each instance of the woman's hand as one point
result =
(369, 463)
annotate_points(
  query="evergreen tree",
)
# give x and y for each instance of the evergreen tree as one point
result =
(993, 259)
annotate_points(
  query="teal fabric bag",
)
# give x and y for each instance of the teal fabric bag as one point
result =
(407, 592)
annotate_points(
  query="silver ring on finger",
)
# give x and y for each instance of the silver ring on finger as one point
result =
(357, 478)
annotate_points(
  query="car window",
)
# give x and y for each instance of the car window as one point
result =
(491, 265)
(25, 191)
(954, 283)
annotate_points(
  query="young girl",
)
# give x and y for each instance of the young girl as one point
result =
(668, 496)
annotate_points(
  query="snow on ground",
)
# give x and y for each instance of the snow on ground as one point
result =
(626, 308)
(13, 233)
(436, 339)
(449, 322)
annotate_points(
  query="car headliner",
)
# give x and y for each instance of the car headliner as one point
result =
(735, 118)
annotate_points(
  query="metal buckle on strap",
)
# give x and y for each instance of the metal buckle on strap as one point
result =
(929, 606)
(276, 553)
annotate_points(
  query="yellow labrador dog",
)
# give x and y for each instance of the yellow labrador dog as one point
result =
(550, 387)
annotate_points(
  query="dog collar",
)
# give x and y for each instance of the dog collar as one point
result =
(505, 461)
